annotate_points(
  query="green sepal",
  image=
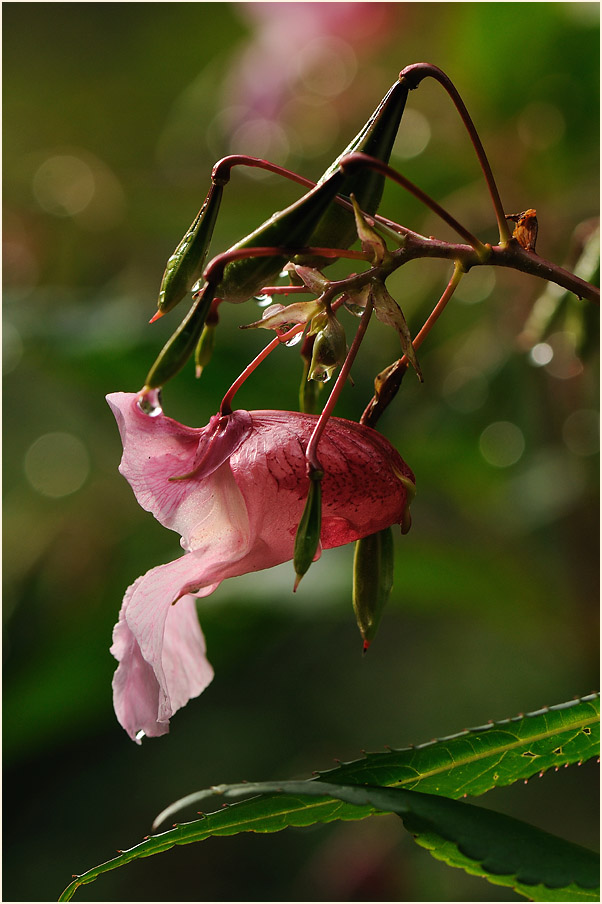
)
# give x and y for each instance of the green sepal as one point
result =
(310, 525)
(185, 266)
(372, 581)
(388, 311)
(178, 349)
(372, 244)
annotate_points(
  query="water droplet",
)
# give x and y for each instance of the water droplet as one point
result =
(140, 734)
(294, 340)
(321, 377)
(354, 309)
(149, 403)
(263, 300)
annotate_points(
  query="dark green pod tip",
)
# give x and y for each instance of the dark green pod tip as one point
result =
(178, 349)
(185, 266)
(372, 581)
(308, 532)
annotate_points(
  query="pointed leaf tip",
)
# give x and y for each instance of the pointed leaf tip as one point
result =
(156, 316)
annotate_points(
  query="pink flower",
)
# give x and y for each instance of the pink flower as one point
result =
(237, 512)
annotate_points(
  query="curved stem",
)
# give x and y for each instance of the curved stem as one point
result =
(215, 269)
(414, 74)
(313, 463)
(353, 161)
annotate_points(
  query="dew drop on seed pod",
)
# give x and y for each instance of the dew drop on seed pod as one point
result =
(150, 403)
(263, 300)
(294, 340)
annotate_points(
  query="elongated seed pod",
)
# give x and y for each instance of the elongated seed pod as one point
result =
(178, 349)
(372, 581)
(308, 532)
(315, 219)
(376, 138)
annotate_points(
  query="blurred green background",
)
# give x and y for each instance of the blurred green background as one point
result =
(113, 116)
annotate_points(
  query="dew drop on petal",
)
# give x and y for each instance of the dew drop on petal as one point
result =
(140, 734)
(149, 403)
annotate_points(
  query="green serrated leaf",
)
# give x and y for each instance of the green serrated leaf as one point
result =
(470, 762)
(492, 845)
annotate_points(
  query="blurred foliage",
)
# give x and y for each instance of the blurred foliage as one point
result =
(113, 116)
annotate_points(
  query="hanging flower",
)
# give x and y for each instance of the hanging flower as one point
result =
(235, 492)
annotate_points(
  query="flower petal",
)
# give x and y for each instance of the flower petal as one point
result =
(160, 649)
(158, 449)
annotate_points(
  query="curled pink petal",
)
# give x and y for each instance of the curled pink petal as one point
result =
(237, 509)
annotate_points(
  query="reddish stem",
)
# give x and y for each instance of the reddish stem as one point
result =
(311, 457)
(284, 290)
(357, 160)
(414, 74)
(226, 406)
(215, 269)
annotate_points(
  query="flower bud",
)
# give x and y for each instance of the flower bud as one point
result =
(310, 525)
(372, 581)
(330, 347)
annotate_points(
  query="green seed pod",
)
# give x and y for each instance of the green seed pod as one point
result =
(330, 348)
(372, 581)
(185, 266)
(204, 349)
(178, 349)
(310, 525)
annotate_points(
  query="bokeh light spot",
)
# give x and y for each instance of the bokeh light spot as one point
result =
(63, 185)
(564, 363)
(12, 347)
(581, 432)
(326, 66)
(541, 354)
(502, 444)
(465, 389)
(413, 136)
(476, 286)
(57, 464)
(540, 126)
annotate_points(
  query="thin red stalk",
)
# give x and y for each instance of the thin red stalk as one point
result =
(356, 160)
(415, 73)
(226, 406)
(215, 269)
(311, 458)
(284, 290)
(439, 308)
